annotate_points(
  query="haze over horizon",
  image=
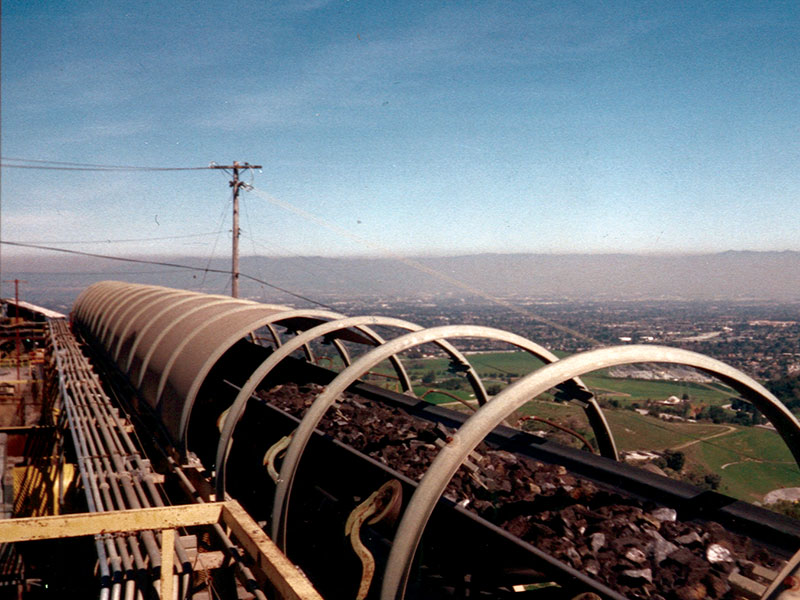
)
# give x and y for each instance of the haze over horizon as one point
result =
(772, 277)
(401, 129)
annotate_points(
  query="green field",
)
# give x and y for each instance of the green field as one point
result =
(631, 430)
(502, 367)
(752, 461)
(638, 390)
(755, 460)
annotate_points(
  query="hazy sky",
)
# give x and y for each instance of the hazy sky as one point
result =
(408, 127)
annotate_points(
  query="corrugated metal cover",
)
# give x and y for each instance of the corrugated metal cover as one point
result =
(167, 340)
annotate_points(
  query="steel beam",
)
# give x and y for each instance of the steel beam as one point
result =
(290, 583)
(28, 529)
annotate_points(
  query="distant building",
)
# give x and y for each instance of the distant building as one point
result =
(639, 455)
(671, 401)
(668, 417)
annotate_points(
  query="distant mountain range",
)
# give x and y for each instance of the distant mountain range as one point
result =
(770, 276)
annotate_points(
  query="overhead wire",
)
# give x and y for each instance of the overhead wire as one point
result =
(327, 269)
(65, 165)
(251, 227)
(420, 267)
(124, 241)
(216, 241)
(164, 264)
(100, 169)
(77, 166)
(316, 267)
(249, 222)
(55, 165)
(458, 283)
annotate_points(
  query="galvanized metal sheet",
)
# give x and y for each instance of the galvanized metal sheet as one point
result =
(108, 308)
(157, 333)
(100, 294)
(156, 372)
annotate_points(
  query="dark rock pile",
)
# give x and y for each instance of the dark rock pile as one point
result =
(642, 551)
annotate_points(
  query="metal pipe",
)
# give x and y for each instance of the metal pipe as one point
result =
(100, 490)
(102, 557)
(230, 548)
(105, 455)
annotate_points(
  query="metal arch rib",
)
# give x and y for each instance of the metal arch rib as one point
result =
(475, 429)
(165, 333)
(119, 302)
(130, 320)
(248, 388)
(114, 319)
(347, 377)
(275, 337)
(219, 350)
(146, 316)
(84, 302)
(97, 307)
(79, 306)
(207, 302)
(262, 315)
(96, 300)
(126, 317)
(404, 379)
(361, 323)
(150, 318)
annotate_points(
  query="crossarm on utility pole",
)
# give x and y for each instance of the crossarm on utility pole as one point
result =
(235, 184)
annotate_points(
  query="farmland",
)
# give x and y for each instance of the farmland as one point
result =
(501, 368)
(750, 461)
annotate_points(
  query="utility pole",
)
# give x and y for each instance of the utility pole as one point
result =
(17, 340)
(235, 184)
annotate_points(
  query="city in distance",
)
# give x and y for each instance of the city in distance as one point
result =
(742, 308)
(768, 276)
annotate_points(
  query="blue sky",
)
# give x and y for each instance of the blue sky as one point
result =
(405, 127)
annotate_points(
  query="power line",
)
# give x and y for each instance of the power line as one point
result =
(164, 264)
(216, 241)
(56, 165)
(236, 184)
(101, 169)
(148, 239)
(421, 267)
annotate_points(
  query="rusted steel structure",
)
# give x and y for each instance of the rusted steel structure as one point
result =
(130, 518)
(171, 344)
